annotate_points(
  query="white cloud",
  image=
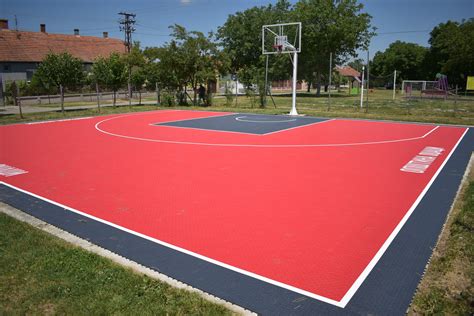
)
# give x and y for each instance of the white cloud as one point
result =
(185, 2)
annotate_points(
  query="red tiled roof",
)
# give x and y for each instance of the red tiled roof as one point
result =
(34, 46)
(348, 71)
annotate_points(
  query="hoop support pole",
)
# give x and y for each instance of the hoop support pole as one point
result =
(295, 68)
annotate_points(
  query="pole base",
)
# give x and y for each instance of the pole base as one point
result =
(293, 112)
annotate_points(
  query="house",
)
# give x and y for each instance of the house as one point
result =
(352, 75)
(21, 51)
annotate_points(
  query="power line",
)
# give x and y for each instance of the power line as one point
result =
(404, 32)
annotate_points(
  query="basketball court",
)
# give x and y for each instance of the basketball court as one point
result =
(278, 214)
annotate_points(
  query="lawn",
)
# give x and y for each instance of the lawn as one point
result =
(381, 106)
(42, 274)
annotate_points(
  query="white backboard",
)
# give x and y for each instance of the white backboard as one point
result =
(281, 38)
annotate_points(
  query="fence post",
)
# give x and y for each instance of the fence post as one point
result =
(61, 92)
(16, 97)
(157, 94)
(394, 84)
(98, 96)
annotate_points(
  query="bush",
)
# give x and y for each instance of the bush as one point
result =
(167, 98)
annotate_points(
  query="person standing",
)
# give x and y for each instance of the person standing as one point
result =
(202, 94)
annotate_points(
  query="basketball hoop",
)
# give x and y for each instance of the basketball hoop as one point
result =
(283, 38)
(278, 48)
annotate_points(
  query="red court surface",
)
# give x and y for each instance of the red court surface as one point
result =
(310, 209)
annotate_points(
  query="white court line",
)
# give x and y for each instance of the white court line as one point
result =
(192, 119)
(349, 294)
(204, 129)
(355, 286)
(188, 252)
(300, 126)
(60, 120)
(97, 127)
(233, 132)
(239, 118)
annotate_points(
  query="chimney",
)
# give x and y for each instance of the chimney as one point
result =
(43, 28)
(76, 32)
(105, 34)
(3, 24)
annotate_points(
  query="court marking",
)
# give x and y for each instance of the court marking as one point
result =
(234, 132)
(355, 286)
(97, 127)
(183, 250)
(202, 129)
(239, 118)
(60, 120)
(9, 171)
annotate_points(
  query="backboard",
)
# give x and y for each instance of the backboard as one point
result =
(281, 38)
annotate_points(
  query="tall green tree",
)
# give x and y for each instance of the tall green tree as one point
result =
(337, 27)
(241, 39)
(188, 60)
(328, 26)
(110, 72)
(61, 71)
(406, 58)
(138, 79)
(451, 51)
(241, 34)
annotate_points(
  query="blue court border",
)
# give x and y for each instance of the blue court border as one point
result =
(388, 289)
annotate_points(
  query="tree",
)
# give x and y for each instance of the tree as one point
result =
(337, 27)
(189, 59)
(451, 51)
(406, 58)
(110, 72)
(61, 71)
(327, 26)
(241, 39)
(138, 79)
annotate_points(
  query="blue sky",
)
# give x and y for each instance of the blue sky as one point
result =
(412, 18)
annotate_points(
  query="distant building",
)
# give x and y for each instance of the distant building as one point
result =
(21, 52)
(352, 75)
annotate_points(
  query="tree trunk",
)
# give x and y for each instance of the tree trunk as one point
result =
(318, 84)
(308, 89)
(139, 97)
(98, 96)
(194, 95)
(115, 97)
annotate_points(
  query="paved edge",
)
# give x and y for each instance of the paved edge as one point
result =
(136, 267)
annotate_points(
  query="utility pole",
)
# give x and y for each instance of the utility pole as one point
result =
(126, 25)
(362, 90)
(394, 84)
(330, 79)
(368, 81)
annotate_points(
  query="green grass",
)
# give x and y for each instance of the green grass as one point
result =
(447, 287)
(41, 274)
(381, 106)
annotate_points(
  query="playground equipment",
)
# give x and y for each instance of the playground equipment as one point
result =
(426, 89)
